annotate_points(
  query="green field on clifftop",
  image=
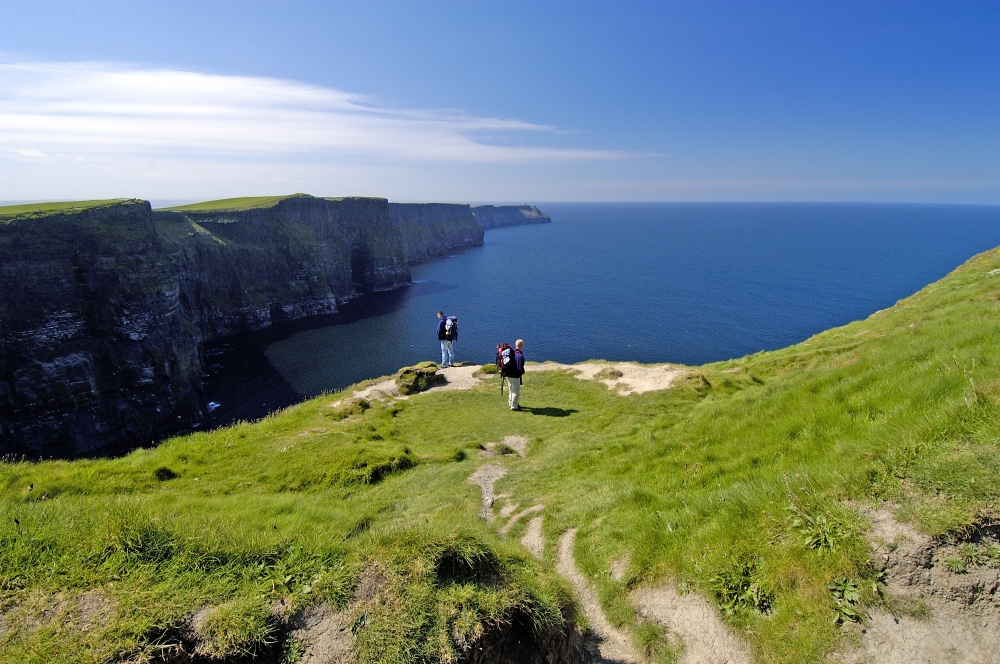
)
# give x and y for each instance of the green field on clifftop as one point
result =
(232, 204)
(739, 483)
(28, 210)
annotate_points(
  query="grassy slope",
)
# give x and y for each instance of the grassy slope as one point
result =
(232, 204)
(700, 484)
(31, 210)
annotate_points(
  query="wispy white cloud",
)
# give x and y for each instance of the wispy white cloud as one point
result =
(104, 110)
(29, 153)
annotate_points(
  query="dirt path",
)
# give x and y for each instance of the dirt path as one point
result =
(509, 507)
(634, 378)
(485, 477)
(706, 639)
(534, 539)
(614, 645)
(517, 517)
(940, 616)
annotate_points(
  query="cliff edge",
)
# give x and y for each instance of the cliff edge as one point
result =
(105, 306)
(495, 216)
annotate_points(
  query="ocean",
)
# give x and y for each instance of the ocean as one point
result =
(650, 282)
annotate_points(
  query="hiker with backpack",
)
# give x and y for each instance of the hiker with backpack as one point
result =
(510, 365)
(447, 334)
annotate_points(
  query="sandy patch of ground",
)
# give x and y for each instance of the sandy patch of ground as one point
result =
(613, 646)
(518, 444)
(57, 610)
(326, 635)
(886, 532)
(90, 610)
(938, 616)
(520, 515)
(534, 540)
(485, 477)
(94, 608)
(618, 569)
(706, 638)
(458, 378)
(634, 379)
(379, 391)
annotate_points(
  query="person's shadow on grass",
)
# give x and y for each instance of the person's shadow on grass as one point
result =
(549, 411)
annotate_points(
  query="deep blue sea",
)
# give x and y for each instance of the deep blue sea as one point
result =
(658, 282)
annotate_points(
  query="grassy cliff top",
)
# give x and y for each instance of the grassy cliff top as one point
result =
(33, 210)
(742, 483)
(233, 204)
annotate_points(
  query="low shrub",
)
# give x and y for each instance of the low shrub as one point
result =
(739, 588)
(608, 373)
(350, 407)
(423, 376)
(164, 474)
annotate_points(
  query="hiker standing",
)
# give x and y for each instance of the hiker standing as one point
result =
(514, 374)
(447, 331)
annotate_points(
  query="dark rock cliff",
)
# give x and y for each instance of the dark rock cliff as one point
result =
(494, 216)
(104, 311)
(432, 229)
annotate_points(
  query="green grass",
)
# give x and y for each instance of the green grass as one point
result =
(737, 484)
(32, 210)
(232, 204)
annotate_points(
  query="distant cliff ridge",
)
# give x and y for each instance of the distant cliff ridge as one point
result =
(104, 308)
(430, 230)
(490, 216)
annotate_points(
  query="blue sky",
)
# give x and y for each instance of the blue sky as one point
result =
(511, 101)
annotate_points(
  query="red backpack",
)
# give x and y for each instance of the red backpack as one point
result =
(505, 361)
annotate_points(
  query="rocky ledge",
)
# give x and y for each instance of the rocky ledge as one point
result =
(104, 310)
(494, 216)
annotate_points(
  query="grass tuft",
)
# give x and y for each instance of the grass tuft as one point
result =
(241, 627)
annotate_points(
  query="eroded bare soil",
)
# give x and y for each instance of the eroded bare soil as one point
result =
(705, 637)
(942, 609)
(624, 378)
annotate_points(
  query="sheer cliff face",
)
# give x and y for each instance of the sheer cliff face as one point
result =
(495, 216)
(95, 345)
(104, 311)
(245, 269)
(432, 229)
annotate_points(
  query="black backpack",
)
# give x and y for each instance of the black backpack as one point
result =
(451, 328)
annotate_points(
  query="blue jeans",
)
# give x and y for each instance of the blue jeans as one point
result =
(447, 354)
